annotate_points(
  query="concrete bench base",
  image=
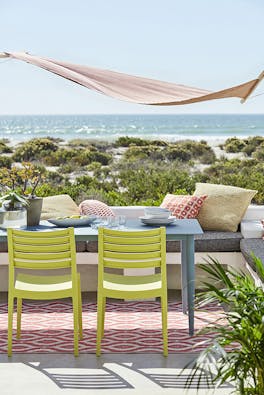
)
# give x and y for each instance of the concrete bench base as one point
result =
(87, 266)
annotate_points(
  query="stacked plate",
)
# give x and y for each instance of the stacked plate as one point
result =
(157, 216)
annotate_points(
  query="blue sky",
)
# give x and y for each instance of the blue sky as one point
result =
(210, 44)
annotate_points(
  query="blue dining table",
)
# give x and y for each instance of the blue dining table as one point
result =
(183, 230)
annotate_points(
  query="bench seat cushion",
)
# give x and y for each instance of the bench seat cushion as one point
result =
(207, 242)
(211, 241)
(256, 246)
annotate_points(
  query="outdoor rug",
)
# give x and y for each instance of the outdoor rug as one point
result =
(130, 327)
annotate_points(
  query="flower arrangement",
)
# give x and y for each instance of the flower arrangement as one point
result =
(20, 183)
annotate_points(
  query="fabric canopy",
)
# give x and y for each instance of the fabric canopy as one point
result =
(131, 88)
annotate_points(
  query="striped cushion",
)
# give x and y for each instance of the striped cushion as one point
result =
(183, 206)
(95, 207)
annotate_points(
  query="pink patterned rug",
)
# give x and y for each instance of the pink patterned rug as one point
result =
(133, 326)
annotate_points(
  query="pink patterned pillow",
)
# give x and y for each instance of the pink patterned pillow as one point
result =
(95, 207)
(183, 206)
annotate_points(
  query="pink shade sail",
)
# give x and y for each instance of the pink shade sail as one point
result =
(132, 88)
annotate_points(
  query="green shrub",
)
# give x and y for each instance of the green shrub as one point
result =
(252, 143)
(34, 149)
(54, 177)
(69, 167)
(101, 157)
(259, 153)
(178, 153)
(5, 161)
(126, 141)
(198, 150)
(60, 156)
(77, 157)
(234, 145)
(144, 152)
(94, 166)
(85, 143)
(84, 180)
(153, 180)
(4, 149)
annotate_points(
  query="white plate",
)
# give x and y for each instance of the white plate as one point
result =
(157, 221)
(157, 216)
(67, 222)
(158, 212)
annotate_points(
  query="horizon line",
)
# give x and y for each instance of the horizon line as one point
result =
(120, 114)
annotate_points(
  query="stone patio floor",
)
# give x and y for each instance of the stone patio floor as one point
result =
(56, 374)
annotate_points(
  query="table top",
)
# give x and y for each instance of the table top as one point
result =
(176, 231)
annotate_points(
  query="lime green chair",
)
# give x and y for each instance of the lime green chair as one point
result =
(131, 249)
(46, 251)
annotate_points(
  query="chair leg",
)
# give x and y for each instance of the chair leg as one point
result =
(164, 312)
(10, 324)
(19, 312)
(76, 322)
(103, 317)
(80, 309)
(100, 301)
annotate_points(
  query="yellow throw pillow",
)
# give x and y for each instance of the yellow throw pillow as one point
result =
(58, 206)
(224, 207)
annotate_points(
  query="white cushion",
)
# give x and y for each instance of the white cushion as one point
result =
(254, 212)
(252, 229)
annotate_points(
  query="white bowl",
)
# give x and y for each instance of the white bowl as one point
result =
(157, 212)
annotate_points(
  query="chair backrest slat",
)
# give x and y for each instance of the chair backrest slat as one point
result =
(40, 240)
(41, 256)
(130, 234)
(41, 248)
(131, 247)
(138, 264)
(40, 234)
(131, 256)
(24, 264)
(132, 240)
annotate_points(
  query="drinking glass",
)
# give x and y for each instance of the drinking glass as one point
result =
(96, 223)
(121, 221)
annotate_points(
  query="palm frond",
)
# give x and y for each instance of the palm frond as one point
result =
(243, 334)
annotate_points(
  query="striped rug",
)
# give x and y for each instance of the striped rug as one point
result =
(130, 327)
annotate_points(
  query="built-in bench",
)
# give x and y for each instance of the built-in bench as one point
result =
(249, 246)
(230, 248)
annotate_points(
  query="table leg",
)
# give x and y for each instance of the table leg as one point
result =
(184, 276)
(190, 281)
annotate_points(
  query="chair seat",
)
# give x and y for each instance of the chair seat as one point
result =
(116, 282)
(43, 284)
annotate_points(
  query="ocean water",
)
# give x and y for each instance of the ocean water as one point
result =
(110, 127)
